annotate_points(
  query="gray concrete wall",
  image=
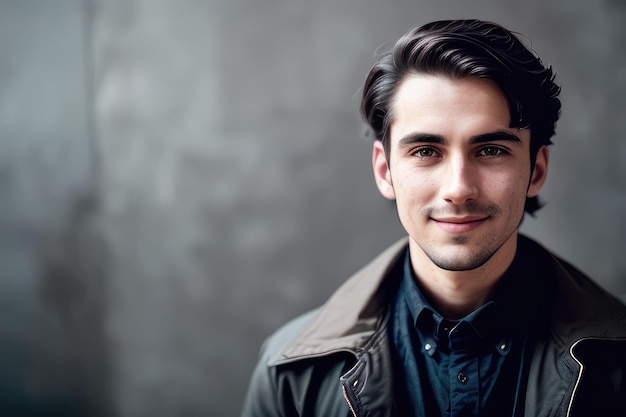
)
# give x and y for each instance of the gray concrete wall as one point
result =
(178, 178)
(53, 345)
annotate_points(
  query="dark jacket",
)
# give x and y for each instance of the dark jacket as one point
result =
(336, 360)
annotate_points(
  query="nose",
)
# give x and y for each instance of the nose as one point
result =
(460, 181)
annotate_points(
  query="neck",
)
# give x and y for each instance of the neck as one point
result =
(455, 294)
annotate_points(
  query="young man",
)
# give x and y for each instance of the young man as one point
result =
(465, 317)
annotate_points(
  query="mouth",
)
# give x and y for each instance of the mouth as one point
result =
(460, 224)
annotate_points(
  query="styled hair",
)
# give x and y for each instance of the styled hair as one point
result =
(468, 48)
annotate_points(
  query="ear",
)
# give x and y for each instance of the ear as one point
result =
(540, 172)
(382, 175)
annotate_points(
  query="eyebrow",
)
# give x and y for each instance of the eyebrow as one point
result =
(497, 136)
(413, 138)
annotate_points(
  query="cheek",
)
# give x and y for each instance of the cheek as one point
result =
(414, 187)
(510, 189)
(413, 191)
(516, 196)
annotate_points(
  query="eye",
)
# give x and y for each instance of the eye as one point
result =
(425, 153)
(492, 151)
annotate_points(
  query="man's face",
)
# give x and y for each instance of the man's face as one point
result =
(459, 174)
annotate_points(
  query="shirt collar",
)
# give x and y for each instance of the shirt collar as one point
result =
(488, 321)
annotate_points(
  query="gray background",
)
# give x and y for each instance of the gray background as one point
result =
(180, 177)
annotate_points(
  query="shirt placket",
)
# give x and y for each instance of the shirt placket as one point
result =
(463, 371)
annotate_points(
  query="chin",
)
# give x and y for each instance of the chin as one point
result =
(459, 266)
(461, 260)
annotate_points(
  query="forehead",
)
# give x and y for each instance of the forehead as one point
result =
(448, 106)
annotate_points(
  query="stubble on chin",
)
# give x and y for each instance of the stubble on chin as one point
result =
(460, 240)
(469, 263)
(466, 259)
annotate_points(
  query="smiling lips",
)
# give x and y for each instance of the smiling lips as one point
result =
(459, 224)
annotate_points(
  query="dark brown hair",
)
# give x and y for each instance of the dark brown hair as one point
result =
(462, 48)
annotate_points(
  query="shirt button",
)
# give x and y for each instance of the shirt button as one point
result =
(428, 346)
(462, 378)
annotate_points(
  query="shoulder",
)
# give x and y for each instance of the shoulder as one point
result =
(348, 318)
(315, 348)
(277, 343)
(330, 326)
(261, 398)
(306, 385)
(580, 306)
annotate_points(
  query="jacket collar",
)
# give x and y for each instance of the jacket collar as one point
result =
(352, 314)
(582, 309)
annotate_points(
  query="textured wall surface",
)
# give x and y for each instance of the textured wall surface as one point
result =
(53, 358)
(180, 177)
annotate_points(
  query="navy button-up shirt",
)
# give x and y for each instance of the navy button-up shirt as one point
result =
(450, 368)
